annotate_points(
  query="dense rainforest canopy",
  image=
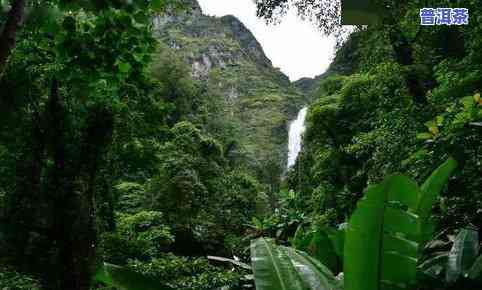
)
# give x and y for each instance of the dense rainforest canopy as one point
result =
(143, 146)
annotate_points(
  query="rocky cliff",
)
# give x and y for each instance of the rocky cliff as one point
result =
(256, 97)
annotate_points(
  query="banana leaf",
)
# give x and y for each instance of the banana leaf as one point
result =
(381, 251)
(283, 268)
(321, 247)
(325, 245)
(431, 190)
(337, 237)
(462, 255)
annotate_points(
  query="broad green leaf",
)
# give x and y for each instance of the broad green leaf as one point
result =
(157, 5)
(337, 237)
(404, 190)
(312, 272)
(282, 268)
(425, 136)
(325, 245)
(272, 268)
(468, 102)
(477, 98)
(439, 120)
(462, 255)
(257, 223)
(431, 189)
(321, 248)
(380, 243)
(299, 240)
(126, 279)
(124, 67)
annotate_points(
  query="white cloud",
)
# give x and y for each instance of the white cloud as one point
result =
(295, 46)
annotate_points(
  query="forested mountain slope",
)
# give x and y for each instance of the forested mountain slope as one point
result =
(364, 123)
(146, 146)
(256, 100)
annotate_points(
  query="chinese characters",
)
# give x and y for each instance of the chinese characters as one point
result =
(444, 16)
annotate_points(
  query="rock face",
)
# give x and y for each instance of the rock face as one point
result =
(257, 98)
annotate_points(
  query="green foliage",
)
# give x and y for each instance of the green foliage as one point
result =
(185, 273)
(280, 225)
(381, 246)
(283, 268)
(431, 189)
(171, 151)
(462, 256)
(141, 235)
(455, 262)
(367, 129)
(126, 279)
(130, 195)
(325, 245)
(12, 280)
(381, 243)
(248, 101)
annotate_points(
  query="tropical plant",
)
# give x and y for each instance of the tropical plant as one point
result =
(170, 272)
(458, 262)
(12, 280)
(285, 268)
(381, 248)
(325, 245)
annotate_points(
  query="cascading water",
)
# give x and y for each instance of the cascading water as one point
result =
(297, 127)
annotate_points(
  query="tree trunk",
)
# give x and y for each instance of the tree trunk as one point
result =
(21, 203)
(79, 252)
(74, 186)
(9, 34)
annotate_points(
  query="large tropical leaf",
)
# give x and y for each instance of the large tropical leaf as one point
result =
(309, 268)
(321, 248)
(337, 237)
(431, 189)
(126, 279)
(319, 245)
(283, 268)
(380, 243)
(462, 255)
(301, 239)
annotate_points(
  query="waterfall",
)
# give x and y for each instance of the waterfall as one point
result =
(297, 127)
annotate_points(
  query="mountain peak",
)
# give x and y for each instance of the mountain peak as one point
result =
(192, 6)
(246, 39)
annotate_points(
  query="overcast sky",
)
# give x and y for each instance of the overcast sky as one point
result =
(295, 46)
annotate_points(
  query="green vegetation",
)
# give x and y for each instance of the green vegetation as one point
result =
(143, 146)
(254, 100)
(381, 244)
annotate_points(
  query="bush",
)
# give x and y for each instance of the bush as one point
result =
(186, 273)
(11, 280)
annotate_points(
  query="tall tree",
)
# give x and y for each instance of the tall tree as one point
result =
(9, 34)
(326, 14)
(90, 60)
